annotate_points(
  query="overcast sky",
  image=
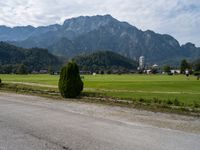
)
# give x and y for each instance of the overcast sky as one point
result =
(179, 18)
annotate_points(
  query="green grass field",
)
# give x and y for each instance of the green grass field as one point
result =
(130, 87)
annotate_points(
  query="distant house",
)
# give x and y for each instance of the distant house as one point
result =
(34, 72)
(176, 71)
(148, 71)
(85, 72)
(155, 66)
(43, 71)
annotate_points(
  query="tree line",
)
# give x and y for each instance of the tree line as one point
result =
(192, 67)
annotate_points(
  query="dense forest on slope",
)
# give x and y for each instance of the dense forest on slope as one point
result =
(34, 59)
(104, 61)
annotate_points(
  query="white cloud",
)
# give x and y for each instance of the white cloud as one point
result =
(179, 18)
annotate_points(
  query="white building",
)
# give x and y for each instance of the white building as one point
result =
(141, 62)
(155, 66)
(176, 71)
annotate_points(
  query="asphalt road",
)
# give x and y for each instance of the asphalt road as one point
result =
(34, 123)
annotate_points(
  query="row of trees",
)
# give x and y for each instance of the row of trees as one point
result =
(24, 69)
(16, 69)
(185, 65)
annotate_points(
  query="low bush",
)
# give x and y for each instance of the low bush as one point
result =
(196, 105)
(196, 73)
(141, 100)
(169, 102)
(170, 74)
(176, 102)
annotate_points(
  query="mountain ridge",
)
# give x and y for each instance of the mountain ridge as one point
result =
(92, 33)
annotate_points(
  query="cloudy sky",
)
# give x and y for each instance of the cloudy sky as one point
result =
(179, 18)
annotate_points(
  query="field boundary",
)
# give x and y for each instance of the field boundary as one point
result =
(107, 90)
(32, 84)
(94, 97)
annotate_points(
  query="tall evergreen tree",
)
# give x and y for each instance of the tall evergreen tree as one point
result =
(184, 65)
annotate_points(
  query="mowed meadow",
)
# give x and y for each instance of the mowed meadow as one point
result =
(130, 87)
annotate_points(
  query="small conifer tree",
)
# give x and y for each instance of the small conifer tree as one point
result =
(70, 83)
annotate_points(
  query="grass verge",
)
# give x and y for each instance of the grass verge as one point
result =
(154, 104)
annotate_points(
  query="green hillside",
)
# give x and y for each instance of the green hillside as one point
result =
(105, 61)
(33, 59)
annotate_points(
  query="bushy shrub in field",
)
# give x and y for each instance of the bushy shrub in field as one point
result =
(22, 69)
(176, 102)
(169, 102)
(196, 105)
(70, 83)
(196, 73)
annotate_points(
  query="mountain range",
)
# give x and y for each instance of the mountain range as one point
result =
(86, 34)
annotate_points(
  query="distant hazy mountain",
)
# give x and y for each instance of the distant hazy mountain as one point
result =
(88, 34)
(104, 60)
(23, 32)
(34, 58)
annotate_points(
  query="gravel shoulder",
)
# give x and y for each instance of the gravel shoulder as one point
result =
(31, 122)
(123, 114)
